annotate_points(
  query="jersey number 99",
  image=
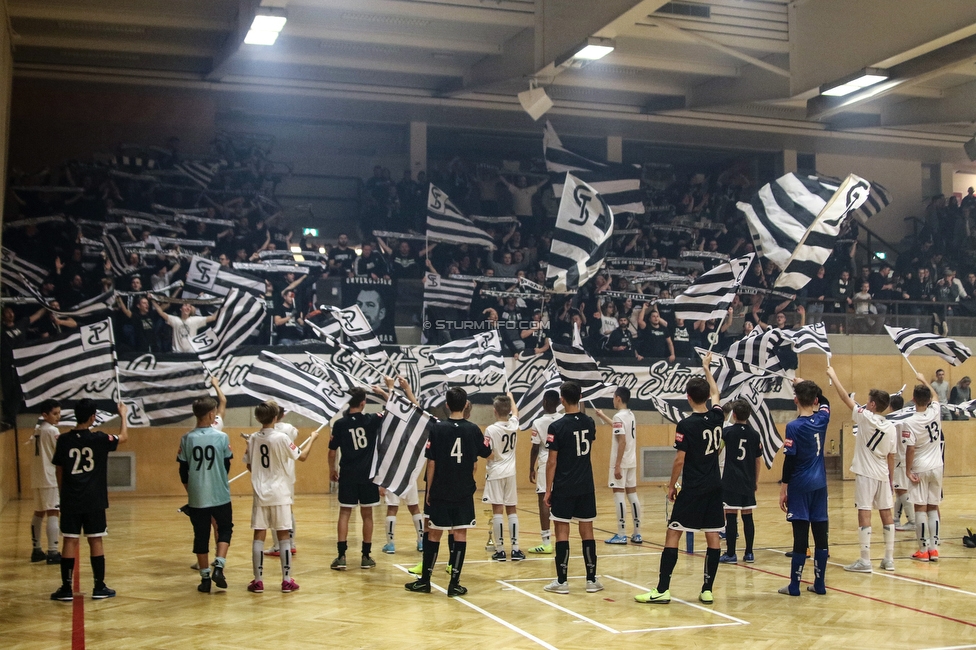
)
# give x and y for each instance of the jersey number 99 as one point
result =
(204, 454)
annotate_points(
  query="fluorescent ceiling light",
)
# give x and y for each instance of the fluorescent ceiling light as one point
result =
(862, 79)
(594, 52)
(268, 23)
(592, 49)
(257, 37)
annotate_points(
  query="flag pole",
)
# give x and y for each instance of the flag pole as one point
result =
(356, 353)
(910, 363)
(301, 446)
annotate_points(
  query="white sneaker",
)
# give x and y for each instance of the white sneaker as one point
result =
(557, 587)
(859, 567)
(593, 586)
(887, 565)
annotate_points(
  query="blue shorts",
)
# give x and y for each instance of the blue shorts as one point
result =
(807, 506)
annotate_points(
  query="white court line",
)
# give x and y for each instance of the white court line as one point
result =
(893, 576)
(606, 628)
(481, 611)
(540, 579)
(679, 627)
(738, 621)
(953, 647)
(551, 557)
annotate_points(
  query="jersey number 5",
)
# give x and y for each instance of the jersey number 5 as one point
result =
(742, 450)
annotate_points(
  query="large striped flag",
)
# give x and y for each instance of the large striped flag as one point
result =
(584, 225)
(444, 292)
(481, 354)
(730, 373)
(795, 221)
(448, 224)
(618, 183)
(359, 334)
(399, 455)
(810, 337)
(69, 420)
(161, 396)
(710, 295)
(878, 199)
(274, 377)
(61, 368)
(576, 365)
(762, 421)
(17, 274)
(530, 403)
(340, 378)
(200, 172)
(96, 306)
(117, 256)
(240, 315)
(665, 408)
(908, 340)
(210, 277)
(758, 349)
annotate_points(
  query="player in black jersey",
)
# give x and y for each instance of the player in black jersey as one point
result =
(355, 434)
(743, 453)
(453, 449)
(570, 493)
(698, 507)
(81, 457)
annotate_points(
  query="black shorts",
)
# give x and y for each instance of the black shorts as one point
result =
(581, 507)
(738, 500)
(447, 515)
(93, 523)
(200, 518)
(352, 494)
(698, 511)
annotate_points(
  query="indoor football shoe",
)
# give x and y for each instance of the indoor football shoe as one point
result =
(454, 590)
(517, 556)
(901, 528)
(37, 555)
(100, 592)
(786, 591)
(53, 557)
(367, 563)
(338, 564)
(288, 586)
(860, 566)
(447, 569)
(389, 549)
(273, 552)
(933, 555)
(218, 577)
(498, 556)
(617, 539)
(416, 570)
(749, 558)
(706, 597)
(63, 594)
(420, 545)
(593, 586)
(728, 559)
(204, 586)
(636, 539)
(256, 587)
(557, 587)
(921, 556)
(542, 548)
(419, 586)
(887, 565)
(654, 596)
(813, 590)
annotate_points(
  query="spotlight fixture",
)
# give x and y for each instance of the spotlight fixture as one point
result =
(592, 49)
(853, 83)
(535, 101)
(267, 24)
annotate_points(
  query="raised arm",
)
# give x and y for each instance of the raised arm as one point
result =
(122, 307)
(713, 391)
(221, 398)
(841, 391)
(925, 382)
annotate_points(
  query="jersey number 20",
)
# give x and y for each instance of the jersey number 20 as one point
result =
(713, 440)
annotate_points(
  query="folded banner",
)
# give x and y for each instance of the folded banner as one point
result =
(162, 396)
(481, 354)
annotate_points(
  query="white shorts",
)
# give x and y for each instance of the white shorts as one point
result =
(270, 517)
(46, 499)
(540, 480)
(928, 490)
(901, 481)
(410, 498)
(872, 494)
(629, 479)
(501, 491)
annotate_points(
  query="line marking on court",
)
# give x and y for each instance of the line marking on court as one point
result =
(738, 621)
(77, 606)
(566, 610)
(538, 579)
(488, 614)
(892, 576)
(953, 647)
(678, 627)
(550, 558)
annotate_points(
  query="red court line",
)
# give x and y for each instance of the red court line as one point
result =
(77, 607)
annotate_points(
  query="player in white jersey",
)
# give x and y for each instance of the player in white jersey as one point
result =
(537, 461)
(874, 466)
(623, 466)
(270, 457)
(292, 433)
(44, 483)
(901, 482)
(412, 499)
(501, 489)
(924, 461)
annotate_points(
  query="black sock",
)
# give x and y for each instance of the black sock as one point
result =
(342, 546)
(430, 557)
(711, 567)
(457, 561)
(749, 528)
(367, 547)
(562, 561)
(98, 569)
(450, 543)
(67, 570)
(731, 532)
(589, 558)
(669, 558)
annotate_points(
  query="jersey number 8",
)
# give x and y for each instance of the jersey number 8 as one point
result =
(265, 457)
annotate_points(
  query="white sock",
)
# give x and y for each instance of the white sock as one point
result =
(36, 530)
(864, 538)
(546, 537)
(621, 510)
(921, 523)
(635, 510)
(909, 510)
(933, 517)
(257, 559)
(390, 525)
(513, 529)
(889, 541)
(52, 533)
(498, 525)
(291, 533)
(284, 545)
(418, 523)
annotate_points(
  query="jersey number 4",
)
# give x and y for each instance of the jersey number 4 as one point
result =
(456, 451)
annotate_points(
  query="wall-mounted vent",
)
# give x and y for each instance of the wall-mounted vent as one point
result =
(122, 471)
(656, 463)
(687, 9)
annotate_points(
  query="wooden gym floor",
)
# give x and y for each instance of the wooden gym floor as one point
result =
(148, 563)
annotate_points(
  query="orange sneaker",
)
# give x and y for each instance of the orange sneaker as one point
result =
(933, 555)
(921, 556)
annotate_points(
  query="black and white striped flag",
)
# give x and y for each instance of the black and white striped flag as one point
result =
(161, 396)
(117, 256)
(444, 292)
(576, 365)
(69, 420)
(908, 340)
(878, 199)
(210, 277)
(17, 274)
(399, 455)
(730, 373)
(795, 221)
(274, 377)
(530, 403)
(584, 225)
(358, 333)
(241, 314)
(340, 378)
(665, 408)
(448, 224)
(618, 183)
(61, 368)
(711, 294)
(762, 421)
(759, 349)
(87, 308)
(201, 173)
(810, 337)
(481, 354)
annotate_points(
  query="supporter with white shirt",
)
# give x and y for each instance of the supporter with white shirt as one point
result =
(185, 326)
